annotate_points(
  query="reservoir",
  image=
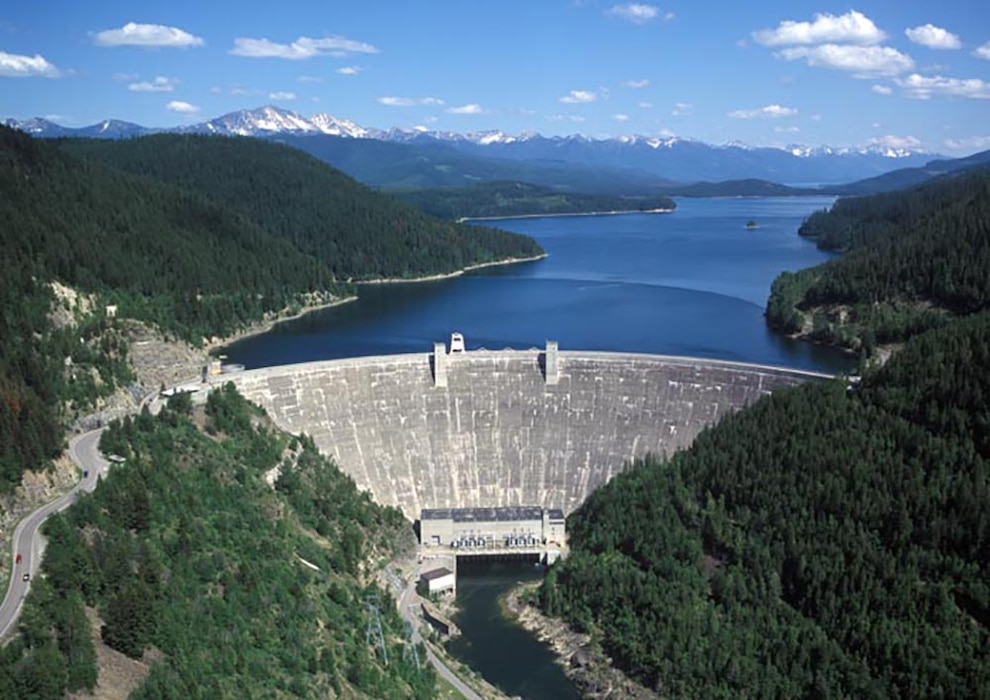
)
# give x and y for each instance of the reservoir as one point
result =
(693, 282)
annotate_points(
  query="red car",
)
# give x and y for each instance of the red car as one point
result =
(17, 559)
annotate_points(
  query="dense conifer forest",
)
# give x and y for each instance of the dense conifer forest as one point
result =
(826, 542)
(356, 232)
(492, 199)
(911, 260)
(185, 549)
(203, 237)
(832, 540)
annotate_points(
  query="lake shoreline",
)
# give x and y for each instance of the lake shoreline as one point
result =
(262, 327)
(451, 275)
(617, 212)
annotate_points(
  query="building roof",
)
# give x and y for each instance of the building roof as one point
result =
(555, 513)
(435, 574)
(469, 515)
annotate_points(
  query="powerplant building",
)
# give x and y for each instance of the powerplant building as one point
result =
(504, 530)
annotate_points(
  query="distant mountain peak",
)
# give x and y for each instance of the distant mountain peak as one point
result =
(664, 155)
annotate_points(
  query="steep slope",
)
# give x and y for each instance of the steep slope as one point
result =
(914, 258)
(357, 233)
(823, 543)
(909, 177)
(162, 255)
(239, 588)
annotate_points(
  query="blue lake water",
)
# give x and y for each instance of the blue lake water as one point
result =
(693, 282)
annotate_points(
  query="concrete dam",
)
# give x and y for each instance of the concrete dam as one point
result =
(502, 428)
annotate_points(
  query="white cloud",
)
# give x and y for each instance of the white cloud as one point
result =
(620, 117)
(282, 96)
(146, 35)
(645, 105)
(983, 51)
(851, 28)
(126, 77)
(770, 111)
(682, 109)
(409, 101)
(971, 143)
(577, 119)
(882, 89)
(466, 109)
(159, 84)
(636, 84)
(786, 130)
(14, 66)
(579, 97)
(302, 48)
(310, 79)
(891, 141)
(635, 13)
(861, 61)
(348, 70)
(182, 107)
(933, 37)
(920, 87)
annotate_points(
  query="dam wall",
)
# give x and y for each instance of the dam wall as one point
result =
(495, 431)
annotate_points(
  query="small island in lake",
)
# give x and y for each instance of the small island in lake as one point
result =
(750, 225)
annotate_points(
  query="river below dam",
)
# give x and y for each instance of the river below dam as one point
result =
(692, 282)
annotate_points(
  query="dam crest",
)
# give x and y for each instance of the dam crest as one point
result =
(502, 428)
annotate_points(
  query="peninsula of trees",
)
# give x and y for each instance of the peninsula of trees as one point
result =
(498, 199)
(911, 260)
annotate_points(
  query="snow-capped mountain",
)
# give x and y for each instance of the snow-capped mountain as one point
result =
(332, 126)
(668, 157)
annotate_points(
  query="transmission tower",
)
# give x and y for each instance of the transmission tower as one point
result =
(410, 647)
(373, 634)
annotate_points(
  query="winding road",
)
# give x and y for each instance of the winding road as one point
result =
(408, 606)
(28, 541)
(29, 544)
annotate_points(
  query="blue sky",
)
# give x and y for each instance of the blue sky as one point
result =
(906, 72)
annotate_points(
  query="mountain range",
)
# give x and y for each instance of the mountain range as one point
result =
(644, 161)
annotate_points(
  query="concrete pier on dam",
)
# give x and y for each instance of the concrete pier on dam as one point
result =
(502, 428)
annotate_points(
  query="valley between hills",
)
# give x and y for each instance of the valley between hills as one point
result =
(832, 539)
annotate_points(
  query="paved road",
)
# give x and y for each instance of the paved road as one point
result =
(409, 608)
(27, 538)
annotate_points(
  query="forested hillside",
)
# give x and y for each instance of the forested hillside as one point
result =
(201, 238)
(187, 551)
(825, 542)
(356, 232)
(510, 198)
(164, 256)
(912, 259)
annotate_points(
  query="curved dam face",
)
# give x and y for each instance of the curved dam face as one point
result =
(498, 433)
